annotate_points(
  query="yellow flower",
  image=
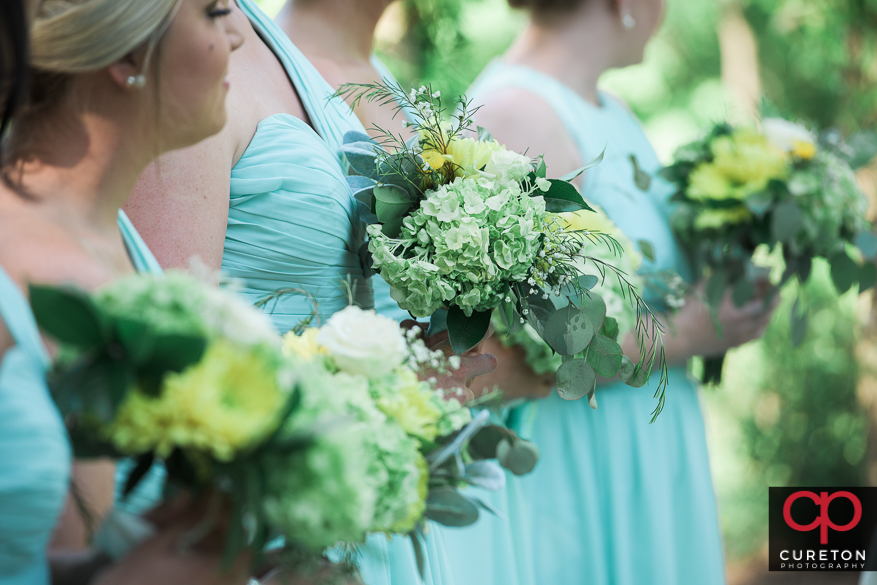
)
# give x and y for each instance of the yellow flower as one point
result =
(304, 346)
(717, 218)
(743, 163)
(418, 508)
(435, 159)
(470, 156)
(804, 150)
(224, 404)
(588, 221)
(413, 405)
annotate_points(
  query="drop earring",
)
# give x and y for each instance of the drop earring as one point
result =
(626, 19)
(137, 81)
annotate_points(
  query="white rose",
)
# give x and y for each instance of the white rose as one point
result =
(363, 342)
(785, 135)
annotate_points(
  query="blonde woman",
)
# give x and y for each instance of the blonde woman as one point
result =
(113, 84)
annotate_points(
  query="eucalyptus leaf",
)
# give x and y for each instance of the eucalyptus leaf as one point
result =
(485, 474)
(632, 374)
(569, 331)
(610, 328)
(485, 506)
(449, 507)
(640, 178)
(588, 281)
(786, 220)
(759, 203)
(485, 443)
(69, 315)
(844, 272)
(647, 250)
(595, 308)
(418, 553)
(464, 332)
(575, 379)
(605, 356)
(867, 242)
(518, 456)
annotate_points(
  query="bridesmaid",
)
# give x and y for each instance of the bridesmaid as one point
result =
(266, 202)
(613, 500)
(82, 129)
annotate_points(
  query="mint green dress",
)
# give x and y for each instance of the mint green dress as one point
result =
(35, 454)
(613, 499)
(293, 224)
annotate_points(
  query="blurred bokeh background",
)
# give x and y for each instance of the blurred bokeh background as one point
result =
(783, 416)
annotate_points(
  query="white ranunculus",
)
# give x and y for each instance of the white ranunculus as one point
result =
(236, 320)
(363, 342)
(506, 165)
(785, 135)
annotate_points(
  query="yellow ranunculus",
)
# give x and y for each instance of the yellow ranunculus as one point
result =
(470, 156)
(303, 346)
(743, 164)
(416, 509)
(717, 218)
(804, 150)
(413, 405)
(225, 403)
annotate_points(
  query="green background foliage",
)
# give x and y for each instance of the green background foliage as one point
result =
(783, 416)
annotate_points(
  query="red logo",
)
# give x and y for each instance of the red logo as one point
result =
(823, 522)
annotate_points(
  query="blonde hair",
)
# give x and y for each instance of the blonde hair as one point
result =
(76, 36)
(71, 37)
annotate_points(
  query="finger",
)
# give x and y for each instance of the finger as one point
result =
(478, 365)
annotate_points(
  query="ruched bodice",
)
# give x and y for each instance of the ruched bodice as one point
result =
(34, 452)
(293, 224)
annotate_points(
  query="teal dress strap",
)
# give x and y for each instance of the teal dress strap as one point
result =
(141, 255)
(330, 116)
(16, 314)
(148, 492)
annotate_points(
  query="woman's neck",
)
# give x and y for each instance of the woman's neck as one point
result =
(342, 31)
(576, 50)
(87, 170)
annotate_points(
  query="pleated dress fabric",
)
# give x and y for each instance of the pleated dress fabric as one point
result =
(35, 453)
(293, 224)
(614, 500)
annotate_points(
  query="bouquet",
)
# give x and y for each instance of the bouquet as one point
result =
(778, 187)
(320, 438)
(462, 223)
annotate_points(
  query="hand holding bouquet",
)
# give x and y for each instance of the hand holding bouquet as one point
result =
(320, 438)
(778, 187)
(462, 223)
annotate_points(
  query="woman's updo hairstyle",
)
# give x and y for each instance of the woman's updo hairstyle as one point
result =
(70, 37)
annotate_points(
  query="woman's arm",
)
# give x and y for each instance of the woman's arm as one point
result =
(91, 498)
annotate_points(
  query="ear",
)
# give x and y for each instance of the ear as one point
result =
(128, 68)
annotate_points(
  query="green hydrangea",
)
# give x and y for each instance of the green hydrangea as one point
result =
(540, 357)
(832, 205)
(463, 246)
(361, 475)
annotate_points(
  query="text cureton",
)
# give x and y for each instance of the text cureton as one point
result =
(822, 555)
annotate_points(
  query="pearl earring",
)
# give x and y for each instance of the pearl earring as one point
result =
(137, 81)
(626, 19)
